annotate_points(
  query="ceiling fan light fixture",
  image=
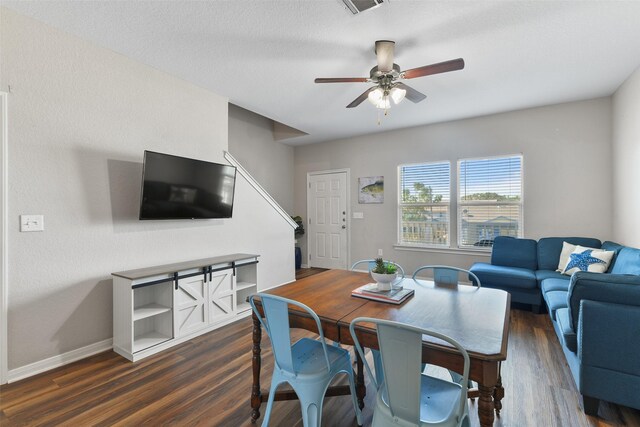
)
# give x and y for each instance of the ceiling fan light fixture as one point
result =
(375, 96)
(384, 103)
(397, 94)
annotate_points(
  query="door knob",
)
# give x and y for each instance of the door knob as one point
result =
(344, 226)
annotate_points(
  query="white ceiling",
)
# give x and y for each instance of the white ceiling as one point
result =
(264, 55)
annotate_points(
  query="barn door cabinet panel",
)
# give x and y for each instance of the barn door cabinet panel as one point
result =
(158, 307)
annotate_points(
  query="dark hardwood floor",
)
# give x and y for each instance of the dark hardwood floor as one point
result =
(305, 272)
(207, 381)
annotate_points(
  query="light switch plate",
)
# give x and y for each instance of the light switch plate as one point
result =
(31, 223)
(358, 215)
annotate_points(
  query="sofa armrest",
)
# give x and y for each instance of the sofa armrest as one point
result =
(613, 288)
(609, 336)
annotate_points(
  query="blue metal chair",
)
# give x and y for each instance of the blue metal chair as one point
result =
(447, 275)
(372, 263)
(444, 274)
(406, 397)
(308, 365)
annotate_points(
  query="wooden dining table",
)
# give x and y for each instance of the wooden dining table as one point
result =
(478, 318)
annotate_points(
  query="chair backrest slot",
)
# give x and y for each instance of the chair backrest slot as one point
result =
(448, 275)
(277, 318)
(401, 360)
(276, 323)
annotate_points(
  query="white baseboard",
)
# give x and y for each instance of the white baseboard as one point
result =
(304, 265)
(74, 355)
(59, 360)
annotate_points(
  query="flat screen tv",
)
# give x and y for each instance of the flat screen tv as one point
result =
(181, 188)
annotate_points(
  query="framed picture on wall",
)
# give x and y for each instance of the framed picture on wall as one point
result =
(371, 189)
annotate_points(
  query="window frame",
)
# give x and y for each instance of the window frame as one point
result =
(460, 204)
(400, 205)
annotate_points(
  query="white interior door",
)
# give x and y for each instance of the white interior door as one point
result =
(327, 219)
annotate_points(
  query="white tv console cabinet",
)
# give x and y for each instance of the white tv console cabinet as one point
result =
(158, 307)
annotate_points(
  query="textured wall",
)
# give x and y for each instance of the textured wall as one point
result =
(269, 162)
(79, 119)
(626, 162)
(567, 172)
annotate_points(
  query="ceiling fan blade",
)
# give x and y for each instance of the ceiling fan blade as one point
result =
(342, 80)
(384, 53)
(427, 70)
(412, 94)
(361, 98)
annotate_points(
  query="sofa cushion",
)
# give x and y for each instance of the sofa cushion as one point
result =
(498, 275)
(555, 300)
(627, 262)
(549, 249)
(569, 336)
(549, 274)
(612, 246)
(610, 288)
(512, 252)
(553, 284)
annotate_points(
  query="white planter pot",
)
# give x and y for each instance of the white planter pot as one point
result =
(384, 281)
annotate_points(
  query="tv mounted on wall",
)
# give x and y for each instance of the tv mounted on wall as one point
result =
(176, 187)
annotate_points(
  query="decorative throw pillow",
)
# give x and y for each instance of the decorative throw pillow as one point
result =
(567, 249)
(588, 259)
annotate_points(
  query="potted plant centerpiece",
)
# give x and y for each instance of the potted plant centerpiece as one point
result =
(384, 274)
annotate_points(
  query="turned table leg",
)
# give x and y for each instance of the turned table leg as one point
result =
(498, 394)
(256, 395)
(485, 405)
(361, 389)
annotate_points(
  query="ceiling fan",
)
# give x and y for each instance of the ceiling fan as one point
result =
(386, 76)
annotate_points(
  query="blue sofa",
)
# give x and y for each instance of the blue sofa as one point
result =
(595, 316)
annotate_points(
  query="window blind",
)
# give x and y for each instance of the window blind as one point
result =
(489, 200)
(424, 205)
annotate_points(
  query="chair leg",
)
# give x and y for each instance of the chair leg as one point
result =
(352, 386)
(272, 391)
(311, 407)
(311, 415)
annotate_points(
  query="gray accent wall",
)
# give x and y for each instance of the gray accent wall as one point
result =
(80, 117)
(567, 173)
(626, 162)
(252, 143)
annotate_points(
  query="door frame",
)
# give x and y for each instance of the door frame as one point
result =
(347, 171)
(4, 238)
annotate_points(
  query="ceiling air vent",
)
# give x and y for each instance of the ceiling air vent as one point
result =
(357, 6)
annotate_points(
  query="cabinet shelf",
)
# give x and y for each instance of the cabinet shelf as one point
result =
(149, 310)
(149, 340)
(242, 307)
(244, 285)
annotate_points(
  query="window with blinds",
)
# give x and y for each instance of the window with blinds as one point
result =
(489, 200)
(424, 204)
